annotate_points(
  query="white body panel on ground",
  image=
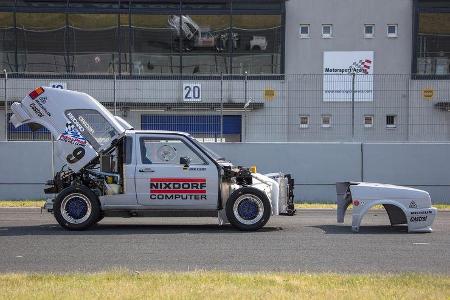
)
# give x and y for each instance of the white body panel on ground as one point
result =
(404, 205)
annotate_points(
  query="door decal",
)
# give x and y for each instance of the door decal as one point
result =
(178, 189)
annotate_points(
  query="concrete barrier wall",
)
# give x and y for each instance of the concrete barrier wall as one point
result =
(422, 165)
(25, 166)
(315, 166)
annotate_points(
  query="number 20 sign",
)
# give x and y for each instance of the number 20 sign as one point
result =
(192, 92)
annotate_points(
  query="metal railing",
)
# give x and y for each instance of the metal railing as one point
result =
(256, 107)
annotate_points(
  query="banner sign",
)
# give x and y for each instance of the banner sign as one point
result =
(338, 67)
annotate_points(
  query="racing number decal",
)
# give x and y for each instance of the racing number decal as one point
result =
(76, 155)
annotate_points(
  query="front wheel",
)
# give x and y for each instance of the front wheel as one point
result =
(76, 208)
(248, 209)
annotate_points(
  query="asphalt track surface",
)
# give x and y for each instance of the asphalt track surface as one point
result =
(311, 241)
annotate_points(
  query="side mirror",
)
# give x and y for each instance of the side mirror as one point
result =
(186, 161)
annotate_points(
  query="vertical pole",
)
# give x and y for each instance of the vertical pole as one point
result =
(221, 107)
(408, 103)
(6, 105)
(119, 67)
(114, 95)
(53, 155)
(353, 106)
(230, 40)
(362, 161)
(245, 106)
(180, 40)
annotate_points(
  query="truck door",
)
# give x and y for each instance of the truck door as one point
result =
(165, 183)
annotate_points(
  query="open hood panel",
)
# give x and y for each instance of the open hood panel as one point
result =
(81, 126)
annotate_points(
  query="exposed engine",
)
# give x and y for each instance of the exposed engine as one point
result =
(102, 175)
(238, 175)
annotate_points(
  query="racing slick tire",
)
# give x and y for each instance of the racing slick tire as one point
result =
(248, 209)
(76, 208)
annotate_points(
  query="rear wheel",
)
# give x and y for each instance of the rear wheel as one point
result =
(76, 208)
(248, 209)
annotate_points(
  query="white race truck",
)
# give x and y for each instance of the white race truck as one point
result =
(114, 170)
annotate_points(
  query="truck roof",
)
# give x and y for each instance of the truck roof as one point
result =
(158, 132)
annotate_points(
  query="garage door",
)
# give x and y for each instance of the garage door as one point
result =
(205, 128)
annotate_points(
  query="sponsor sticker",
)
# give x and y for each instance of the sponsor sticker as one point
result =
(86, 124)
(412, 204)
(72, 135)
(75, 121)
(43, 99)
(425, 212)
(36, 110)
(418, 219)
(197, 169)
(178, 189)
(84, 127)
(40, 102)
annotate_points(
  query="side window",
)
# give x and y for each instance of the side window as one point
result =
(167, 151)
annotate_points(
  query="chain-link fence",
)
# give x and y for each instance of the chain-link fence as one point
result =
(256, 108)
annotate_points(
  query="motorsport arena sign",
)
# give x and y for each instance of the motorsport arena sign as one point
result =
(338, 67)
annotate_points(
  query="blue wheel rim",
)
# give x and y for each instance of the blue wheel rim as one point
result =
(248, 209)
(76, 208)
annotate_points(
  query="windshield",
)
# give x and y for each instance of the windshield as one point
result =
(211, 153)
(92, 125)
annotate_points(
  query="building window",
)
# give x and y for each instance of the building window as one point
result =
(41, 42)
(368, 121)
(92, 43)
(327, 31)
(391, 121)
(304, 31)
(205, 128)
(254, 45)
(326, 121)
(304, 121)
(369, 31)
(392, 30)
(148, 38)
(153, 48)
(432, 39)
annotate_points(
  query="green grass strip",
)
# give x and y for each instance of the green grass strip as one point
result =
(222, 285)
